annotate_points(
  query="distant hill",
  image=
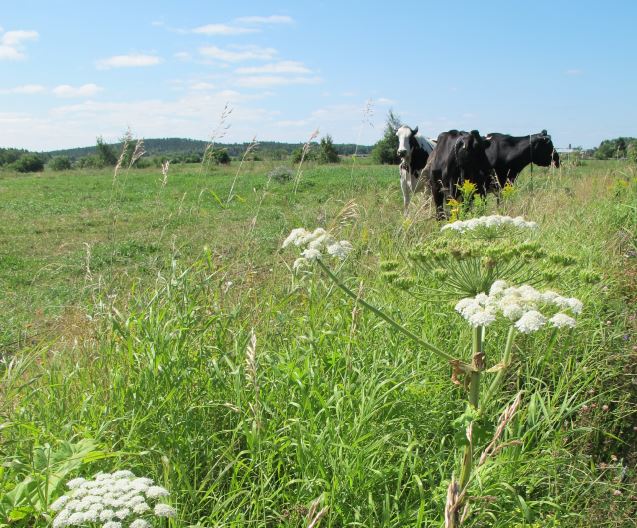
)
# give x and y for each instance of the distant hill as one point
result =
(179, 146)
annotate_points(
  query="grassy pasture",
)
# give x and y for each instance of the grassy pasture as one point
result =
(128, 315)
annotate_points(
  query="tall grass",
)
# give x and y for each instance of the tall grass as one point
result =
(271, 402)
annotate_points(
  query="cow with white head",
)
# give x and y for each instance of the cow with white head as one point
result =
(413, 151)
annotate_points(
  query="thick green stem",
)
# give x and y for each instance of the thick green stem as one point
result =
(506, 361)
(477, 364)
(463, 366)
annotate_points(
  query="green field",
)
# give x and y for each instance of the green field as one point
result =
(162, 322)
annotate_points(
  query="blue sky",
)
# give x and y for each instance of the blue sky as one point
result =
(73, 70)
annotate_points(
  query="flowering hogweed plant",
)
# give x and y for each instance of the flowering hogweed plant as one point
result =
(489, 222)
(111, 499)
(521, 305)
(317, 244)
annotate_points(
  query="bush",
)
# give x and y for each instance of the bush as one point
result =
(90, 162)
(60, 163)
(281, 174)
(385, 150)
(28, 163)
(327, 152)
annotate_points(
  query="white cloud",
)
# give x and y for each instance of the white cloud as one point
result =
(200, 86)
(25, 89)
(238, 54)
(222, 30)
(274, 80)
(276, 67)
(86, 90)
(274, 19)
(182, 56)
(12, 43)
(384, 101)
(132, 60)
(573, 72)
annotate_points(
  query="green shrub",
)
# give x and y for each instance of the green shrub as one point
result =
(60, 163)
(28, 163)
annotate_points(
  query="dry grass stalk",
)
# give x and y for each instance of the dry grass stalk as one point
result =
(128, 137)
(306, 149)
(505, 418)
(368, 113)
(88, 275)
(218, 133)
(348, 215)
(451, 506)
(137, 153)
(251, 370)
(251, 147)
(314, 517)
(164, 173)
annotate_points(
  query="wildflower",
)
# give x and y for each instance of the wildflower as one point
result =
(489, 222)
(520, 304)
(311, 254)
(481, 318)
(60, 503)
(295, 236)
(340, 249)
(163, 510)
(560, 320)
(315, 243)
(155, 492)
(109, 499)
(531, 321)
(140, 508)
(75, 483)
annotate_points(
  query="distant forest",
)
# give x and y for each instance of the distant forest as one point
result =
(178, 147)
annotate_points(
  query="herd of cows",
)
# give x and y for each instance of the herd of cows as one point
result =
(489, 162)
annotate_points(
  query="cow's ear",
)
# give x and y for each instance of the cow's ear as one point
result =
(416, 130)
(544, 132)
(486, 143)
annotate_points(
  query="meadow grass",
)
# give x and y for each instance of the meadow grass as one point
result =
(187, 351)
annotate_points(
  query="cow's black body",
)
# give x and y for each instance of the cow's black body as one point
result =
(458, 156)
(508, 155)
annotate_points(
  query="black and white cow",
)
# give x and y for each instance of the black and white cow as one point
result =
(458, 156)
(508, 155)
(414, 152)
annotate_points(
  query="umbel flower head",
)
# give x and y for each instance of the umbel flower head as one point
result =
(112, 500)
(489, 222)
(317, 244)
(528, 308)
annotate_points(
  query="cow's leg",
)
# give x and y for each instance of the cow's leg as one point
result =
(404, 185)
(436, 180)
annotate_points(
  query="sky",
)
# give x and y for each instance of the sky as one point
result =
(74, 70)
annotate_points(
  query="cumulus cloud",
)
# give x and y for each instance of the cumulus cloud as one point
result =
(133, 60)
(85, 90)
(182, 56)
(12, 43)
(222, 30)
(273, 19)
(238, 54)
(25, 89)
(276, 67)
(573, 72)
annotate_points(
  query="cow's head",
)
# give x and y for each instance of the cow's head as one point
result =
(543, 152)
(470, 151)
(406, 141)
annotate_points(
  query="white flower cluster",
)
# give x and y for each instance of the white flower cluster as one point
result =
(316, 242)
(492, 221)
(521, 304)
(110, 499)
